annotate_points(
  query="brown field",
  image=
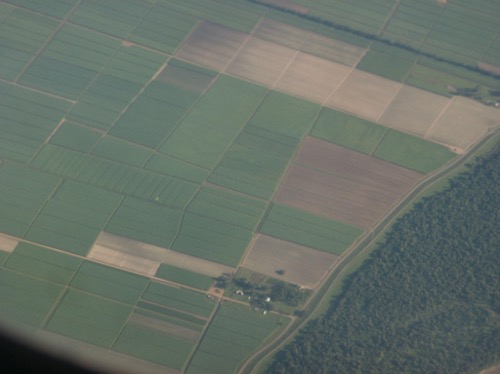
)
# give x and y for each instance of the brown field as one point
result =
(414, 110)
(365, 95)
(308, 41)
(343, 184)
(143, 258)
(7, 244)
(261, 61)
(464, 122)
(211, 45)
(303, 265)
(165, 327)
(311, 77)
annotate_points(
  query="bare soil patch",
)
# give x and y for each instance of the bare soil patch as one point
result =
(309, 42)
(464, 122)
(8, 244)
(302, 265)
(414, 110)
(261, 61)
(365, 95)
(211, 45)
(145, 258)
(311, 77)
(343, 184)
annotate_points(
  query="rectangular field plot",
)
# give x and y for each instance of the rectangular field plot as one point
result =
(303, 265)
(54, 8)
(283, 114)
(43, 263)
(187, 76)
(297, 226)
(117, 177)
(75, 136)
(343, 184)
(187, 302)
(70, 62)
(72, 219)
(211, 239)
(177, 168)
(255, 162)
(309, 42)
(204, 134)
(155, 113)
(23, 191)
(163, 28)
(108, 282)
(26, 299)
(7, 244)
(412, 152)
(145, 221)
(364, 94)
(463, 122)
(311, 77)
(115, 17)
(261, 61)
(22, 33)
(119, 150)
(89, 318)
(228, 207)
(414, 110)
(27, 119)
(387, 61)
(145, 259)
(348, 131)
(234, 333)
(153, 345)
(211, 45)
(183, 276)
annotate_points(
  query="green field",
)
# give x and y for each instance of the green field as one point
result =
(234, 333)
(43, 263)
(185, 277)
(27, 119)
(348, 131)
(115, 149)
(145, 221)
(75, 136)
(305, 228)
(73, 218)
(412, 152)
(205, 133)
(23, 191)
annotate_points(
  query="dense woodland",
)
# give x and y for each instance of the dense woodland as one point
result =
(428, 299)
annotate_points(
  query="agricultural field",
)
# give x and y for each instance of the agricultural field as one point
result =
(151, 150)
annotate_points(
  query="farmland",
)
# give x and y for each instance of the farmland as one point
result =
(152, 150)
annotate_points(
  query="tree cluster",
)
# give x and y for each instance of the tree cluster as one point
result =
(427, 300)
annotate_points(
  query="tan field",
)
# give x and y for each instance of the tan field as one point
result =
(414, 110)
(303, 265)
(8, 244)
(343, 184)
(365, 95)
(211, 45)
(311, 77)
(189, 80)
(261, 61)
(310, 42)
(464, 122)
(143, 258)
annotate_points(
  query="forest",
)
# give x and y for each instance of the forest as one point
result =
(428, 298)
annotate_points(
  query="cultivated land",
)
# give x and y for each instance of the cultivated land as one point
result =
(342, 184)
(146, 150)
